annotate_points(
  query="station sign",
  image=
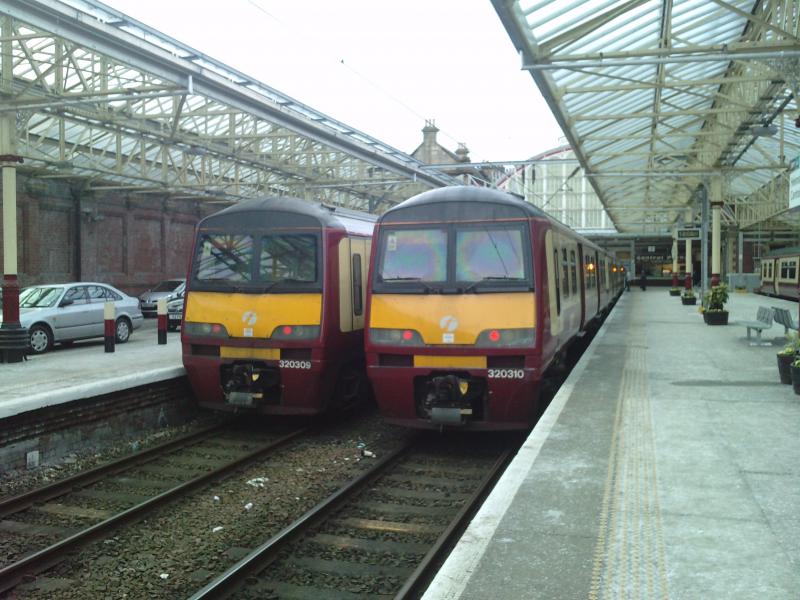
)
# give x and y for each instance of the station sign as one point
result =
(794, 184)
(690, 233)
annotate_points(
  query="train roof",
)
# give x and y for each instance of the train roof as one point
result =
(783, 251)
(293, 212)
(474, 204)
(489, 203)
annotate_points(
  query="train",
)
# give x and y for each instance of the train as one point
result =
(780, 272)
(475, 298)
(273, 316)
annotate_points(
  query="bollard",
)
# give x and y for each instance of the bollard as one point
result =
(161, 311)
(110, 334)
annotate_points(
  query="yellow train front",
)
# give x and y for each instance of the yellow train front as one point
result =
(274, 309)
(475, 298)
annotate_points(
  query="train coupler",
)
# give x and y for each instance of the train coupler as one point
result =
(451, 399)
(249, 384)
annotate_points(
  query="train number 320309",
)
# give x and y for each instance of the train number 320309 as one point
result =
(506, 374)
(295, 364)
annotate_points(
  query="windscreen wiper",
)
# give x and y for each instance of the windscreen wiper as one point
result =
(273, 284)
(419, 280)
(472, 287)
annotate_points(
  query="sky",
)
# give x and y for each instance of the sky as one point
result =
(381, 67)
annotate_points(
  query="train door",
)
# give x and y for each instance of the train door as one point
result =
(582, 277)
(597, 277)
(773, 276)
(353, 264)
(553, 284)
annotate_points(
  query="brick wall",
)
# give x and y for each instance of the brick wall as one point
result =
(130, 242)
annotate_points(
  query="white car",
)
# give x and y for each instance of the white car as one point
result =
(65, 312)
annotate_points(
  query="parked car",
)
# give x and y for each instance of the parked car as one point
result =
(175, 312)
(169, 289)
(65, 312)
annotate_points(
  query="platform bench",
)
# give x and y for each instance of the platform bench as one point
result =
(763, 321)
(783, 317)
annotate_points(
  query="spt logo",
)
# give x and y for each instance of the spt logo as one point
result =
(449, 324)
(249, 319)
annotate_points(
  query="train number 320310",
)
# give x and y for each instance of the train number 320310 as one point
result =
(506, 374)
(295, 364)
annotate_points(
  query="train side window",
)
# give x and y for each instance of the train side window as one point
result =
(557, 283)
(573, 269)
(565, 275)
(358, 305)
(791, 268)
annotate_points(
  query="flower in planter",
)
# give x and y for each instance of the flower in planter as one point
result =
(792, 345)
(715, 299)
(688, 294)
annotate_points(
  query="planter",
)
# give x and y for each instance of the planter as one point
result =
(675, 292)
(785, 367)
(795, 379)
(715, 317)
(688, 301)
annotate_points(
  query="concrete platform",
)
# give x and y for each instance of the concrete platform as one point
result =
(84, 370)
(667, 466)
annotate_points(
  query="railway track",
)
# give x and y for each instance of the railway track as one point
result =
(48, 523)
(379, 536)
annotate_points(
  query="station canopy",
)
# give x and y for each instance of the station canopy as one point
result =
(110, 105)
(660, 97)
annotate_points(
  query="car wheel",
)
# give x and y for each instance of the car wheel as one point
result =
(41, 340)
(123, 330)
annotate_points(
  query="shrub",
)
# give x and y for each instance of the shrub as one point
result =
(715, 299)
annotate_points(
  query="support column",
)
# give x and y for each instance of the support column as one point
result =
(688, 281)
(716, 229)
(674, 260)
(13, 337)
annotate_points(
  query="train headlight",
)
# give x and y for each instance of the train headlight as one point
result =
(295, 332)
(205, 329)
(395, 337)
(506, 338)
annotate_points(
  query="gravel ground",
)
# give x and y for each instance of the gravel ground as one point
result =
(13, 483)
(182, 547)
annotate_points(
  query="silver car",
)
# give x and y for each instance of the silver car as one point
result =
(175, 312)
(169, 289)
(65, 312)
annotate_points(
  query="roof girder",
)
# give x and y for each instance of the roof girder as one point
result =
(666, 90)
(89, 91)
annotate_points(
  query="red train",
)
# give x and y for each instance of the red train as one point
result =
(274, 307)
(780, 273)
(474, 296)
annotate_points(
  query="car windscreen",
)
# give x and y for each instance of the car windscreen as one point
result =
(39, 297)
(454, 258)
(259, 262)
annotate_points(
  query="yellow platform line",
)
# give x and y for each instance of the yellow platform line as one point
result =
(629, 560)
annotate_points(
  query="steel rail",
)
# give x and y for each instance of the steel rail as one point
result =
(84, 478)
(37, 562)
(262, 556)
(421, 576)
